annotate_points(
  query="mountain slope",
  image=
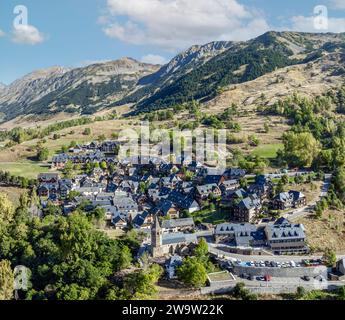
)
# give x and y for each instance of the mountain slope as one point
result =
(200, 73)
(244, 61)
(83, 90)
(178, 67)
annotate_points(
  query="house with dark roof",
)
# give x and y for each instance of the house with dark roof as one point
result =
(125, 203)
(170, 181)
(234, 173)
(109, 146)
(286, 238)
(178, 225)
(229, 185)
(119, 222)
(48, 178)
(184, 202)
(143, 220)
(214, 179)
(239, 235)
(166, 208)
(247, 209)
(59, 161)
(287, 200)
(205, 191)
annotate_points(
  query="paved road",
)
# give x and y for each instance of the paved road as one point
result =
(279, 175)
(216, 249)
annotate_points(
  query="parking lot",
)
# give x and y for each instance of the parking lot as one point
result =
(278, 264)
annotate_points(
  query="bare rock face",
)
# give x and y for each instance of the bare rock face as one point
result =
(187, 61)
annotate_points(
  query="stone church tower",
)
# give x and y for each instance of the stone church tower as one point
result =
(156, 239)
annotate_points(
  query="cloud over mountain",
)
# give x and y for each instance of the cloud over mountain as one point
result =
(177, 24)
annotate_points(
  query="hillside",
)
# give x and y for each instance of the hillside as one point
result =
(82, 90)
(307, 79)
(216, 74)
(246, 61)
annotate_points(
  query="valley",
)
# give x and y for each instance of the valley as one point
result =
(67, 188)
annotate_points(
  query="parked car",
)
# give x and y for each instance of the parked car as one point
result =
(320, 278)
(260, 278)
(306, 278)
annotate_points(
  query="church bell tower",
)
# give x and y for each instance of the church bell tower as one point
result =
(156, 238)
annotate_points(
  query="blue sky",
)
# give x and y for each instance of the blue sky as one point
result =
(73, 33)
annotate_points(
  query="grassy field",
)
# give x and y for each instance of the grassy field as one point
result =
(24, 169)
(327, 232)
(211, 216)
(268, 151)
(12, 193)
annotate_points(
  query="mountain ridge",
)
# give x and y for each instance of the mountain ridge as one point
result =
(199, 73)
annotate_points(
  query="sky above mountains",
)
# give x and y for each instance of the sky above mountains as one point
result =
(75, 33)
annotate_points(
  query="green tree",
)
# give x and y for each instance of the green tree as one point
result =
(6, 280)
(300, 149)
(192, 272)
(87, 132)
(240, 292)
(330, 258)
(43, 154)
(300, 293)
(6, 209)
(141, 285)
(101, 138)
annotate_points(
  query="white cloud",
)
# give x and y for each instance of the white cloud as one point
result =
(177, 24)
(307, 24)
(2, 34)
(154, 59)
(27, 34)
(338, 4)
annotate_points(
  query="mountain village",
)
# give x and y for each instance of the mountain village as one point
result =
(164, 202)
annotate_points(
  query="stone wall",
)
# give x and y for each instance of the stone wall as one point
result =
(281, 272)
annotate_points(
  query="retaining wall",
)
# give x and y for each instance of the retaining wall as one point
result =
(281, 272)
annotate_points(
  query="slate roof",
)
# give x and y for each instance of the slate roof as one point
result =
(289, 196)
(281, 221)
(249, 203)
(244, 233)
(240, 193)
(285, 231)
(207, 189)
(164, 206)
(235, 173)
(232, 228)
(181, 200)
(213, 179)
(178, 223)
(175, 238)
(139, 220)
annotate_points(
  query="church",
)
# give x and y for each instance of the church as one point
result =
(163, 244)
